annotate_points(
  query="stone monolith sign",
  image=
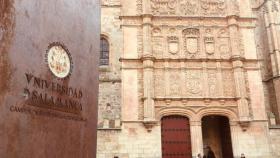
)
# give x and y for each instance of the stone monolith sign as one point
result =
(48, 78)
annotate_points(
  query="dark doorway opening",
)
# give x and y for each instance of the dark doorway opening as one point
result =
(217, 135)
(176, 137)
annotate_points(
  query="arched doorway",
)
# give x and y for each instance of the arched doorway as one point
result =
(217, 135)
(176, 137)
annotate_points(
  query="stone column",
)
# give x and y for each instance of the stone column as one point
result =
(196, 138)
(148, 70)
(238, 68)
(148, 64)
(234, 138)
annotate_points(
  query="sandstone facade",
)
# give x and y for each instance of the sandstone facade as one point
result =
(193, 58)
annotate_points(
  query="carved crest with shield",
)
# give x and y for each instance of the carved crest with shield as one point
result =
(173, 44)
(209, 45)
(191, 41)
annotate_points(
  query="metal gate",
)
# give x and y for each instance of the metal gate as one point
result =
(176, 138)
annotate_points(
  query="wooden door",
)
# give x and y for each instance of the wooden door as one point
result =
(176, 138)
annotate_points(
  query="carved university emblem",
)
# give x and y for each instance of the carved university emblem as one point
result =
(59, 60)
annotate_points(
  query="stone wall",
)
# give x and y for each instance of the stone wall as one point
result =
(267, 32)
(275, 141)
(109, 105)
(110, 81)
(132, 141)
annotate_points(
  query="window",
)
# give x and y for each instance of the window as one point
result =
(104, 52)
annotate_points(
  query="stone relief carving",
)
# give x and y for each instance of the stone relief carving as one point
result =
(212, 83)
(174, 79)
(139, 7)
(189, 7)
(173, 44)
(209, 42)
(213, 7)
(157, 43)
(159, 83)
(223, 44)
(228, 83)
(140, 41)
(233, 7)
(191, 41)
(274, 6)
(194, 82)
(158, 46)
(166, 7)
(215, 42)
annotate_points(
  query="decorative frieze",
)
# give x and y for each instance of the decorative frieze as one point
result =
(213, 7)
(185, 82)
(190, 7)
(165, 7)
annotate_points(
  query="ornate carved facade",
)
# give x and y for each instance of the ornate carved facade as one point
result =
(196, 58)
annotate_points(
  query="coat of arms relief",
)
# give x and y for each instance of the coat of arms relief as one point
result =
(191, 38)
(191, 43)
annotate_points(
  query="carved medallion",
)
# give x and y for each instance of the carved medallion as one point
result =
(194, 85)
(173, 45)
(59, 60)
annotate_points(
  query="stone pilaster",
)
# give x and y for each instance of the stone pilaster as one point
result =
(239, 72)
(234, 138)
(148, 66)
(220, 80)
(205, 80)
(196, 138)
